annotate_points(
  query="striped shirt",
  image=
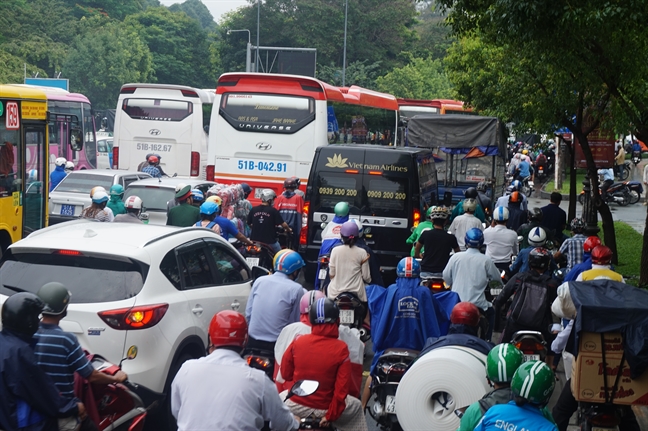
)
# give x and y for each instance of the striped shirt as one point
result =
(572, 248)
(59, 354)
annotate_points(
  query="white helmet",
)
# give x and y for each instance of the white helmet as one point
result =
(360, 227)
(133, 202)
(32, 176)
(537, 237)
(501, 214)
(100, 197)
(180, 186)
(267, 195)
(69, 166)
(470, 204)
(61, 161)
(95, 190)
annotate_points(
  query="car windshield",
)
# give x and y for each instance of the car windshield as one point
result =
(89, 279)
(83, 183)
(154, 198)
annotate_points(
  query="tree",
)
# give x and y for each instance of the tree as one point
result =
(12, 69)
(420, 79)
(104, 59)
(357, 73)
(197, 10)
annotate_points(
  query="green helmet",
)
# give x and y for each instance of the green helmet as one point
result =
(502, 362)
(56, 298)
(341, 209)
(534, 381)
(116, 190)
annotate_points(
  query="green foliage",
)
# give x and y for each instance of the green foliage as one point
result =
(422, 78)
(198, 11)
(357, 73)
(117, 9)
(12, 69)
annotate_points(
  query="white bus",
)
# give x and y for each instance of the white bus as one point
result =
(267, 126)
(171, 121)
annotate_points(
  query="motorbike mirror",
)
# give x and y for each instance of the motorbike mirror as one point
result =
(303, 388)
(559, 274)
(259, 271)
(323, 225)
(144, 217)
(447, 198)
(520, 238)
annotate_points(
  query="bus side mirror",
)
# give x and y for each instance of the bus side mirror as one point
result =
(76, 139)
(447, 198)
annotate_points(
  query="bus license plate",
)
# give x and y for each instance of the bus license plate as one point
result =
(390, 404)
(252, 261)
(495, 292)
(67, 210)
(322, 274)
(531, 358)
(346, 317)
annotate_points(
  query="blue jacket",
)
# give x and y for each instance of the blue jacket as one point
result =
(585, 265)
(512, 417)
(521, 264)
(525, 169)
(402, 316)
(57, 176)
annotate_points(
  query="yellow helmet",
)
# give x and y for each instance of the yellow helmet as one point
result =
(525, 152)
(215, 199)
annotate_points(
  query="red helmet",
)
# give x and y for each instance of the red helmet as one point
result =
(228, 328)
(601, 255)
(465, 313)
(153, 160)
(590, 243)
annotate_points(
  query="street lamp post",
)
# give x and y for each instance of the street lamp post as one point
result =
(256, 57)
(346, 13)
(248, 52)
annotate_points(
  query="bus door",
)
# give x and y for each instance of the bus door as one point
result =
(36, 180)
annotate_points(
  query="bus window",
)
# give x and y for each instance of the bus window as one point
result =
(363, 124)
(34, 197)
(157, 109)
(387, 196)
(90, 145)
(10, 163)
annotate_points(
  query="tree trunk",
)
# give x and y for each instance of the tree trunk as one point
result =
(571, 212)
(643, 271)
(609, 234)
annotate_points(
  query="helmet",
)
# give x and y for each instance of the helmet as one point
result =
(215, 199)
(471, 192)
(517, 156)
(534, 381)
(279, 254)
(481, 186)
(297, 180)
(341, 209)
(32, 175)
(323, 311)
(525, 151)
(349, 230)
(133, 202)
(577, 225)
(61, 161)
(469, 205)
(309, 299)
(267, 195)
(289, 262)
(179, 187)
(535, 214)
(537, 237)
(228, 328)
(601, 255)
(290, 183)
(502, 362)
(539, 258)
(465, 313)
(197, 195)
(20, 313)
(116, 190)
(246, 188)
(69, 166)
(437, 213)
(153, 160)
(474, 238)
(100, 197)
(56, 298)
(515, 197)
(517, 185)
(590, 243)
(408, 267)
(208, 208)
(501, 214)
(95, 190)
(360, 227)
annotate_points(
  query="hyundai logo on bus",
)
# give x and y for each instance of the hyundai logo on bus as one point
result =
(154, 132)
(263, 146)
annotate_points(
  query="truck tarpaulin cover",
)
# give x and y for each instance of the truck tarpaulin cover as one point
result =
(456, 131)
(611, 306)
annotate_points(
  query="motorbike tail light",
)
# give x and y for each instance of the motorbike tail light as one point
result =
(194, 170)
(324, 260)
(437, 286)
(529, 346)
(605, 420)
(209, 172)
(258, 362)
(141, 317)
(253, 249)
(115, 158)
(416, 217)
(303, 234)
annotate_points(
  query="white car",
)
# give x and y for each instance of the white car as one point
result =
(153, 289)
(72, 194)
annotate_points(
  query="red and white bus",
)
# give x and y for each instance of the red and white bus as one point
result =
(408, 108)
(267, 126)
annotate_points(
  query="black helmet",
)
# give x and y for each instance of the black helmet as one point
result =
(539, 258)
(535, 214)
(56, 298)
(481, 186)
(323, 311)
(290, 183)
(471, 192)
(20, 313)
(577, 225)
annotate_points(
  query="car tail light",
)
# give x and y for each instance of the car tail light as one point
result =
(115, 158)
(416, 217)
(209, 172)
(195, 163)
(68, 252)
(529, 346)
(303, 234)
(605, 420)
(141, 317)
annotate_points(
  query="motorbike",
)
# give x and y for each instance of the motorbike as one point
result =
(258, 254)
(532, 345)
(541, 173)
(624, 171)
(636, 189)
(304, 388)
(617, 192)
(352, 314)
(260, 359)
(599, 417)
(636, 157)
(434, 282)
(390, 369)
(323, 274)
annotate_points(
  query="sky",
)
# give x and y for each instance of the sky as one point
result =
(216, 7)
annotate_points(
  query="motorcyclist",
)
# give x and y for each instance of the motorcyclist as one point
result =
(58, 173)
(291, 205)
(440, 243)
(469, 193)
(197, 197)
(374, 265)
(263, 221)
(466, 221)
(601, 258)
(536, 238)
(523, 170)
(152, 168)
(554, 218)
(532, 385)
(517, 214)
(470, 273)
(174, 202)
(403, 316)
(320, 356)
(501, 242)
(115, 203)
(133, 206)
(586, 264)
(418, 230)
(541, 162)
(208, 212)
(483, 199)
(608, 180)
(30, 400)
(220, 391)
(107, 209)
(274, 301)
(514, 163)
(331, 234)
(145, 163)
(96, 210)
(184, 214)
(534, 219)
(227, 226)
(69, 166)
(572, 248)
(504, 200)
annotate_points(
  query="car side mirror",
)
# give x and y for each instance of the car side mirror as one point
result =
(76, 139)
(258, 271)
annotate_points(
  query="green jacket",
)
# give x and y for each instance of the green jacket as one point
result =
(458, 210)
(116, 205)
(183, 215)
(416, 234)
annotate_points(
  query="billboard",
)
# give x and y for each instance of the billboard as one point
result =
(602, 146)
(49, 82)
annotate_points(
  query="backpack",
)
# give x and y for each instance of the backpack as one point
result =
(529, 307)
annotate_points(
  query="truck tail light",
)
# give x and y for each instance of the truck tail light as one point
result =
(303, 234)
(115, 158)
(209, 173)
(417, 217)
(195, 164)
(141, 317)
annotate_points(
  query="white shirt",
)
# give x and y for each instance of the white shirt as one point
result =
(469, 273)
(501, 243)
(221, 392)
(111, 214)
(462, 224)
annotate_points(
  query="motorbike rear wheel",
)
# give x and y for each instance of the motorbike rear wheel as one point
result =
(626, 199)
(624, 172)
(634, 197)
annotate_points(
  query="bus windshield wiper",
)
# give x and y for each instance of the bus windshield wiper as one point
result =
(14, 288)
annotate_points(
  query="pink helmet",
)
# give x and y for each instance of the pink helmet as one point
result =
(308, 299)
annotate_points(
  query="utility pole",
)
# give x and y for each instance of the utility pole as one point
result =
(346, 13)
(256, 58)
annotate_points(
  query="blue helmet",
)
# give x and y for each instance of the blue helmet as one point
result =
(197, 195)
(289, 262)
(208, 208)
(474, 238)
(517, 185)
(408, 267)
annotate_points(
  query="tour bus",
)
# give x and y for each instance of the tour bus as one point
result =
(408, 108)
(267, 126)
(24, 174)
(171, 121)
(447, 106)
